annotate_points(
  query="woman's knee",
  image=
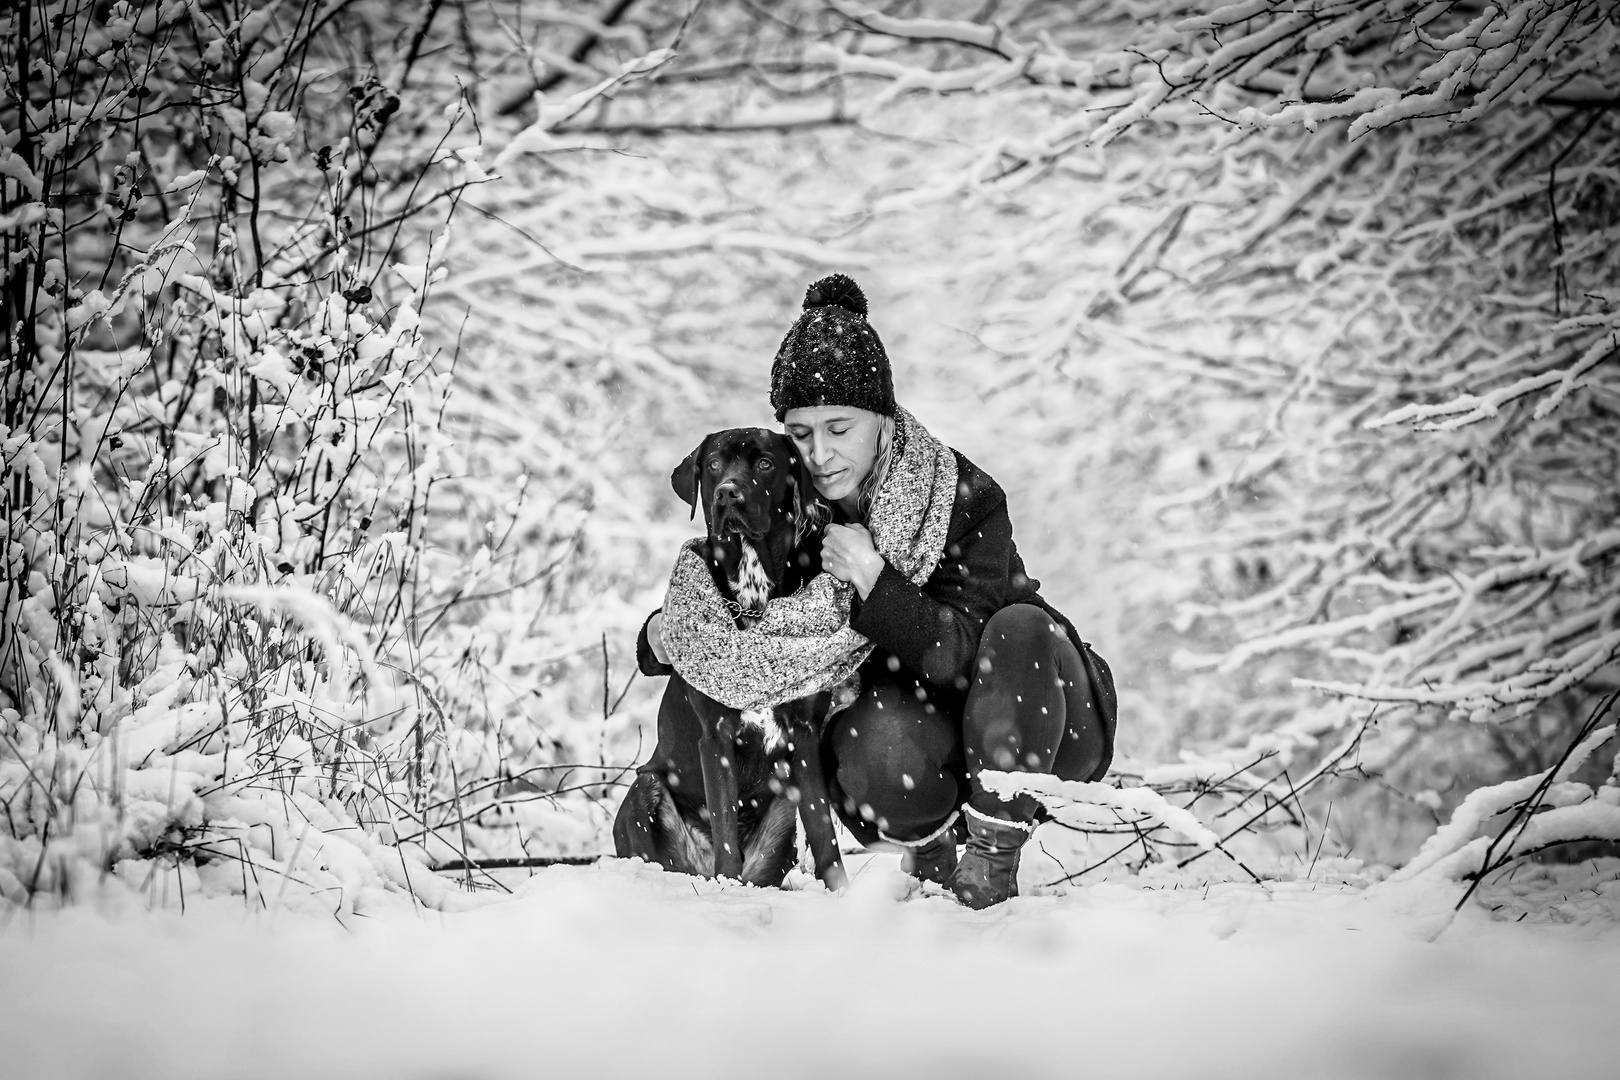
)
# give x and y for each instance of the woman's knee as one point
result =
(893, 767)
(1021, 630)
(1015, 711)
(1020, 667)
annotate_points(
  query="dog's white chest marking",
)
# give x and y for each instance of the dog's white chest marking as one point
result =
(752, 586)
(765, 720)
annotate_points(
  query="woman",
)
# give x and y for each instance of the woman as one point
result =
(968, 667)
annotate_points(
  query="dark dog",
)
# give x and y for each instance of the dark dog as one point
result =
(759, 504)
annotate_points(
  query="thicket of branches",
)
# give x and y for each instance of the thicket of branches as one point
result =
(1418, 279)
(221, 223)
(1389, 227)
(245, 558)
(294, 591)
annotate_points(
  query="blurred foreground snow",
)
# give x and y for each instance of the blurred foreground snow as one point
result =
(619, 969)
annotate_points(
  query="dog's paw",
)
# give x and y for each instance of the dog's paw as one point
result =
(877, 885)
(800, 879)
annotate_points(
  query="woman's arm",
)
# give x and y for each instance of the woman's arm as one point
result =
(934, 630)
(650, 655)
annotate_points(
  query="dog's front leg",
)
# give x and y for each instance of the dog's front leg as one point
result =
(717, 750)
(815, 803)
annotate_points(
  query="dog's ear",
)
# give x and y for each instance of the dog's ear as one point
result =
(686, 475)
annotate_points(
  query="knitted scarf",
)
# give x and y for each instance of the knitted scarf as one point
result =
(804, 643)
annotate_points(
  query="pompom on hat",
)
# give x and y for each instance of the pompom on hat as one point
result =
(831, 355)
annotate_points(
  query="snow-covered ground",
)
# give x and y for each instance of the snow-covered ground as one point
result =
(618, 969)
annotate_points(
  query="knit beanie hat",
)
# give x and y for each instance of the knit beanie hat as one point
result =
(831, 355)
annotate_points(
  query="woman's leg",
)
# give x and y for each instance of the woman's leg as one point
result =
(894, 762)
(1029, 709)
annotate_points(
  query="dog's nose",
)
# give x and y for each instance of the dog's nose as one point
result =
(728, 493)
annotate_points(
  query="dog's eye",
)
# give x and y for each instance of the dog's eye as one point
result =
(765, 464)
(714, 464)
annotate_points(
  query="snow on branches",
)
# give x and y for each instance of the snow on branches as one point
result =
(1082, 805)
(1430, 59)
(1528, 815)
(1154, 806)
(1369, 64)
(219, 433)
(1392, 224)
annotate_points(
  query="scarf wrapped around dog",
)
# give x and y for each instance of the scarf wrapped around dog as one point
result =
(804, 644)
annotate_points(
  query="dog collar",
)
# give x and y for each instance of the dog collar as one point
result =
(738, 611)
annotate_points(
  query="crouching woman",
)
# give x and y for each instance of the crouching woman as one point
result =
(961, 665)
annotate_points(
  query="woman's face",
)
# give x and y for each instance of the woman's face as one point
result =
(839, 443)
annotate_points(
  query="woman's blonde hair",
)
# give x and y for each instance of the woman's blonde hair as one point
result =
(810, 512)
(880, 467)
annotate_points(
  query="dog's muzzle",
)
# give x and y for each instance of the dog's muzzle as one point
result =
(730, 514)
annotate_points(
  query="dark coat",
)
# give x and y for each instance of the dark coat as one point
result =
(934, 630)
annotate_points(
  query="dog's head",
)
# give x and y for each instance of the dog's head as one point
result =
(748, 482)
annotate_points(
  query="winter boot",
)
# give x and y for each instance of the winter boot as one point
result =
(988, 871)
(933, 857)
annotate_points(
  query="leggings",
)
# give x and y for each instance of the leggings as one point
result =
(902, 764)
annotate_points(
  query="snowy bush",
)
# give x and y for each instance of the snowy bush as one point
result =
(220, 437)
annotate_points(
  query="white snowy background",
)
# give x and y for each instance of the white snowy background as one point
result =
(1304, 401)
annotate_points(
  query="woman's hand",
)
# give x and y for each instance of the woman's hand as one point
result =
(655, 638)
(847, 553)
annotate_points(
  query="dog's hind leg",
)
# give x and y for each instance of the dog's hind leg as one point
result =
(635, 826)
(773, 848)
(684, 846)
(650, 826)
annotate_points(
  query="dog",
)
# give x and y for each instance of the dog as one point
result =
(763, 521)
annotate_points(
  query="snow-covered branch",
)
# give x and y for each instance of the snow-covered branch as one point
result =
(1386, 219)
